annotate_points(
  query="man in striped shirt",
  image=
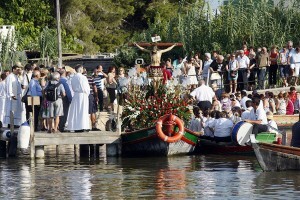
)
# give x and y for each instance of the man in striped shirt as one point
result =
(99, 77)
(93, 100)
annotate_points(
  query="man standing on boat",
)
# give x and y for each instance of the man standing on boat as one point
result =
(258, 117)
(203, 95)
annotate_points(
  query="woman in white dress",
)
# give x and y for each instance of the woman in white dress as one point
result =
(190, 71)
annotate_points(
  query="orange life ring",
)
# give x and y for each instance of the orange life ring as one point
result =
(169, 137)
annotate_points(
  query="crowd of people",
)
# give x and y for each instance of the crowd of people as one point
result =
(69, 98)
(216, 113)
(246, 69)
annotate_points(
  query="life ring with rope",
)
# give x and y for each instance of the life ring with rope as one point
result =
(170, 136)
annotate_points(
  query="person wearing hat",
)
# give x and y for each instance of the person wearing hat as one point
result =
(272, 124)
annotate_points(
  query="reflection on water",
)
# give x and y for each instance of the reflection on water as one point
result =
(186, 177)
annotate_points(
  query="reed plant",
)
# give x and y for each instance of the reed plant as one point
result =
(252, 22)
(9, 53)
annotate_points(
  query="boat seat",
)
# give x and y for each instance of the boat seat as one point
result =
(266, 137)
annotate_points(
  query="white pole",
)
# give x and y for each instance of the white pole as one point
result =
(58, 33)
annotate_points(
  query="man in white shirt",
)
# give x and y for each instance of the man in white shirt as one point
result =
(246, 113)
(222, 128)
(258, 117)
(204, 95)
(244, 63)
(244, 99)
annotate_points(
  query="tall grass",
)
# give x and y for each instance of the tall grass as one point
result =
(253, 22)
(9, 55)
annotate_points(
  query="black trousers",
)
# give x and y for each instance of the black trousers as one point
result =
(204, 105)
(100, 99)
(259, 128)
(223, 139)
(242, 80)
(273, 74)
(63, 119)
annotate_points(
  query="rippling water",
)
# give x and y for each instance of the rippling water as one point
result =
(184, 177)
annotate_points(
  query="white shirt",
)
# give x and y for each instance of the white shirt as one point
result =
(206, 66)
(195, 125)
(203, 93)
(295, 59)
(246, 113)
(274, 125)
(243, 61)
(243, 102)
(222, 127)
(25, 81)
(207, 124)
(236, 103)
(259, 114)
(291, 52)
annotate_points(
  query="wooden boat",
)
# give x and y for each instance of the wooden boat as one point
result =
(284, 122)
(274, 157)
(207, 146)
(146, 142)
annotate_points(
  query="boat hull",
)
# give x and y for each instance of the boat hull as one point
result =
(206, 146)
(211, 147)
(146, 143)
(273, 157)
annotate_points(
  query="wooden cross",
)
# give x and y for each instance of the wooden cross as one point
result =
(151, 44)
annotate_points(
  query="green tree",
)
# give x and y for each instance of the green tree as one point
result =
(29, 17)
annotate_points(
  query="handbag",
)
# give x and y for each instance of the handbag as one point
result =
(215, 76)
(233, 74)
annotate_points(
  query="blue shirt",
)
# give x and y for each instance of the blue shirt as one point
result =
(64, 82)
(34, 88)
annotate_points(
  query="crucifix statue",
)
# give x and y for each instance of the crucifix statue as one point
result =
(155, 53)
(155, 71)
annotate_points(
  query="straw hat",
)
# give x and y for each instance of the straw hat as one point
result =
(19, 64)
(69, 69)
(269, 115)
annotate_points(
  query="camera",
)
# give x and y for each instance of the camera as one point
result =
(139, 61)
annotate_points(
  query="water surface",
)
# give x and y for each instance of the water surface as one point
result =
(181, 177)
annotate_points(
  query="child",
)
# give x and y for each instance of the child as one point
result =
(196, 124)
(207, 131)
(225, 102)
(272, 124)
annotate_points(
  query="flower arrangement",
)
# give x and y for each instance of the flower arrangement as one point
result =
(144, 107)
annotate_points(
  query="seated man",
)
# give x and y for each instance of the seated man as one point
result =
(246, 113)
(222, 128)
(258, 117)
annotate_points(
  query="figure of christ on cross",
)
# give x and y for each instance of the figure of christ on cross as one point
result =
(155, 71)
(155, 53)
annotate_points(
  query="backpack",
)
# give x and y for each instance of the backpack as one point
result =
(51, 92)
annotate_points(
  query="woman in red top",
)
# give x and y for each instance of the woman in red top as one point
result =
(273, 67)
(289, 105)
